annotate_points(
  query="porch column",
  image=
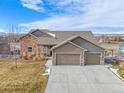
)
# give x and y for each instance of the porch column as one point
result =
(54, 58)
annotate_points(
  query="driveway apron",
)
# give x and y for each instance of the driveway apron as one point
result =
(83, 79)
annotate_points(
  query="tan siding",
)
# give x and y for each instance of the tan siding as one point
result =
(68, 48)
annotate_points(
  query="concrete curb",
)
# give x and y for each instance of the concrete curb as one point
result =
(111, 69)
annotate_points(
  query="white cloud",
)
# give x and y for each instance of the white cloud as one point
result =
(70, 6)
(54, 23)
(32, 4)
(92, 13)
(105, 13)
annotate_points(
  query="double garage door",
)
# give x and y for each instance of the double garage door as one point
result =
(68, 59)
(74, 59)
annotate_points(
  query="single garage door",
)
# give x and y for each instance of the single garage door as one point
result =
(93, 58)
(68, 59)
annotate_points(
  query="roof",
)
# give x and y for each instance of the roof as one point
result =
(69, 40)
(61, 36)
(109, 46)
(64, 42)
(56, 37)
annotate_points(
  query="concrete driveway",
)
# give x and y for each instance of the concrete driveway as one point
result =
(83, 79)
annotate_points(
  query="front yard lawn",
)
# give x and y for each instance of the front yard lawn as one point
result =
(121, 72)
(26, 78)
(118, 70)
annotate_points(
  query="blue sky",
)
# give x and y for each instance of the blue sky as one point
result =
(99, 16)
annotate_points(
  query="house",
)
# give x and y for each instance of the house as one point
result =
(76, 46)
(77, 51)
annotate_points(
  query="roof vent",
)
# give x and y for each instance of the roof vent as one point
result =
(51, 34)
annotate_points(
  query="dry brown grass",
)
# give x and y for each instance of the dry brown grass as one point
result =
(121, 72)
(26, 78)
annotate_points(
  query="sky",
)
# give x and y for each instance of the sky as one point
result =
(98, 16)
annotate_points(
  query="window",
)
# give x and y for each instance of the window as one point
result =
(45, 49)
(29, 49)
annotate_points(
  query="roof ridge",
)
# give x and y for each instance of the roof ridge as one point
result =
(70, 31)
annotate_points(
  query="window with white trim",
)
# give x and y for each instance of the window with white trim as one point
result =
(29, 49)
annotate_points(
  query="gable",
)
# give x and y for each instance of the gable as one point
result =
(40, 33)
(87, 44)
(68, 47)
(28, 39)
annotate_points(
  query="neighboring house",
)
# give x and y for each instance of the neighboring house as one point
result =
(110, 49)
(13, 39)
(9, 45)
(110, 42)
(110, 38)
(40, 41)
(4, 47)
(15, 47)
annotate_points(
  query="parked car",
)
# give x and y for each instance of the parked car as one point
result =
(111, 60)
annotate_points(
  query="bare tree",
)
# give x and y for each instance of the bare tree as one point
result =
(12, 40)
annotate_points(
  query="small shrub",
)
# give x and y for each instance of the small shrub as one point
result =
(121, 72)
(115, 66)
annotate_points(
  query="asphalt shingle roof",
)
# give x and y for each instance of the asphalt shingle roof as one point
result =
(61, 36)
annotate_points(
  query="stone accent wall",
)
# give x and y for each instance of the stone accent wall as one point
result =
(82, 62)
(27, 41)
(102, 59)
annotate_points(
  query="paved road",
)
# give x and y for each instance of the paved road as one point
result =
(85, 79)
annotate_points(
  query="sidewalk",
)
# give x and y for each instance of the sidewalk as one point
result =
(48, 63)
